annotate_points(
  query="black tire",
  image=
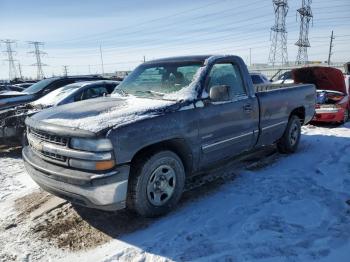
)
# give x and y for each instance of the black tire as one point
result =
(289, 142)
(156, 184)
(346, 116)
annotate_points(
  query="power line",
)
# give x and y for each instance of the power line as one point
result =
(125, 31)
(303, 41)
(10, 53)
(38, 53)
(118, 30)
(168, 25)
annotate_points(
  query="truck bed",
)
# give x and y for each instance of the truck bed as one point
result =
(276, 101)
(268, 87)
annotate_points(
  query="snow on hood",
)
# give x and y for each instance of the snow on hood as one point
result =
(98, 114)
(11, 93)
(55, 97)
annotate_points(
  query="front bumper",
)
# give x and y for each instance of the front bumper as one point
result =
(6, 132)
(107, 191)
(329, 116)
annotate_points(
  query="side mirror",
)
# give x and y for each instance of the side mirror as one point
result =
(219, 93)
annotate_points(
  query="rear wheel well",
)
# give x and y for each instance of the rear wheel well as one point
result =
(299, 112)
(178, 146)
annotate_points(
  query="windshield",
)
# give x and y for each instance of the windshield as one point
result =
(56, 96)
(38, 86)
(156, 80)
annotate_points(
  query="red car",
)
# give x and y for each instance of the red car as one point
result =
(333, 100)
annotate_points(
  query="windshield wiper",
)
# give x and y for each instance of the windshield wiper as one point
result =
(154, 93)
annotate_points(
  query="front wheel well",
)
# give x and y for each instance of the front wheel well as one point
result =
(299, 112)
(177, 145)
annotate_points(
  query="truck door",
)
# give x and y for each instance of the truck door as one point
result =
(227, 128)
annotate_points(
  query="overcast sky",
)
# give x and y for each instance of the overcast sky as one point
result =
(128, 30)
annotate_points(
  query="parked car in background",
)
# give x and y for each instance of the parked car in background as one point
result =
(9, 87)
(23, 85)
(169, 119)
(285, 78)
(12, 120)
(333, 100)
(259, 78)
(14, 98)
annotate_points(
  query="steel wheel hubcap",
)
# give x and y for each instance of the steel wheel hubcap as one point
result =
(161, 185)
(294, 133)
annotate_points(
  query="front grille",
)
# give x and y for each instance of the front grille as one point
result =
(59, 140)
(50, 155)
(48, 138)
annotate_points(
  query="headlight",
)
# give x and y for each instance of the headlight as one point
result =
(93, 145)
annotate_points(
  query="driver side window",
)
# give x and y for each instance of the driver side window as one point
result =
(227, 74)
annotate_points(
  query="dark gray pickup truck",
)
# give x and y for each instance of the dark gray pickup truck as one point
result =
(169, 119)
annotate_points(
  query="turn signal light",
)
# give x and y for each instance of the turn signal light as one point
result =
(105, 165)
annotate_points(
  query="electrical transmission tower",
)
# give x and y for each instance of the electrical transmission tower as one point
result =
(303, 41)
(65, 70)
(278, 51)
(20, 71)
(38, 53)
(10, 59)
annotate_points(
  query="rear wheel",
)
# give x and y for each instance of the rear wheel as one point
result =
(289, 142)
(156, 184)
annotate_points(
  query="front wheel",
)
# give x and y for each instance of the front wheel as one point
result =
(156, 184)
(289, 142)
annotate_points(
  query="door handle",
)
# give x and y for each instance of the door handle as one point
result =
(248, 108)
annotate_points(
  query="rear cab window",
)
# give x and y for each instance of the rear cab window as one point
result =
(256, 79)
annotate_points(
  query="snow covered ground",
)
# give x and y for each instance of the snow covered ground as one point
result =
(295, 209)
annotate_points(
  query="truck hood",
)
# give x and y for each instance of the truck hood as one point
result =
(324, 78)
(99, 114)
(10, 101)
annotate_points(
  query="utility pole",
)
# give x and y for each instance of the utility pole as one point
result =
(330, 49)
(103, 70)
(278, 50)
(144, 59)
(65, 70)
(250, 57)
(303, 41)
(12, 68)
(38, 53)
(20, 71)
